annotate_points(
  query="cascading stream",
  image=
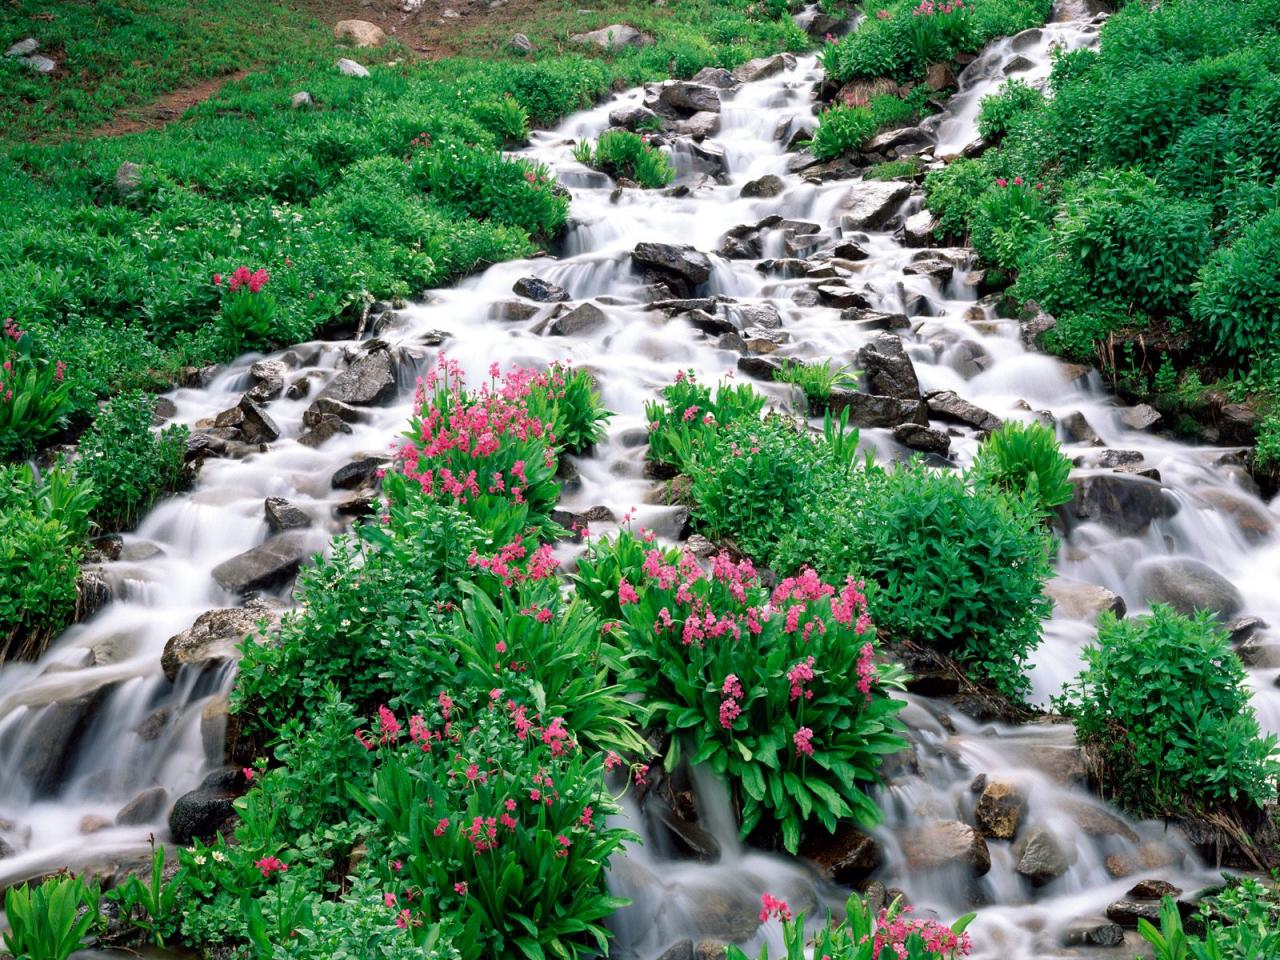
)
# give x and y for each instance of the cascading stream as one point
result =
(95, 725)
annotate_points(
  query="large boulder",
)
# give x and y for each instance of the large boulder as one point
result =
(1077, 600)
(369, 381)
(1188, 586)
(762, 67)
(870, 410)
(360, 33)
(49, 741)
(999, 810)
(947, 843)
(202, 811)
(870, 203)
(268, 380)
(674, 260)
(281, 515)
(265, 566)
(1125, 503)
(947, 406)
(770, 185)
(214, 637)
(888, 369)
(1043, 856)
(613, 37)
(631, 117)
(687, 97)
(581, 319)
(255, 423)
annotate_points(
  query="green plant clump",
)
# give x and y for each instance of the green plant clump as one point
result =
(843, 129)
(1025, 459)
(621, 153)
(817, 380)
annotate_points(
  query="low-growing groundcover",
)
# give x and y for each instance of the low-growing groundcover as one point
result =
(1137, 202)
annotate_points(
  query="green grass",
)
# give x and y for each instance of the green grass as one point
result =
(115, 55)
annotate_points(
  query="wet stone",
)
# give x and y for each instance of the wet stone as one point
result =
(581, 319)
(361, 472)
(1093, 932)
(869, 410)
(1126, 504)
(888, 369)
(1188, 586)
(1043, 856)
(875, 319)
(1153, 889)
(947, 406)
(999, 810)
(267, 565)
(282, 515)
(945, 844)
(770, 185)
(543, 291)
(1078, 429)
(144, 808)
(914, 436)
(840, 296)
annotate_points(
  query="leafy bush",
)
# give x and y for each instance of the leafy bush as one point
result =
(1010, 222)
(780, 693)
(507, 119)
(1163, 706)
(566, 397)
(843, 129)
(248, 314)
(1254, 935)
(51, 919)
(893, 170)
(34, 393)
(480, 183)
(120, 453)
(998, 112)
(1024, 459)
(689, 411)
(817, 380)
(1238, 297)
(620, 153)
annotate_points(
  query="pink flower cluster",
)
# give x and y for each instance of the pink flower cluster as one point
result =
(269, 865)
(892, 932)
(1017, 182)
(515, 564)
(730, 709)
(242, 277)
(799, 675)
(803, 741)
(771, 906)
(929, 8)
(10, 361)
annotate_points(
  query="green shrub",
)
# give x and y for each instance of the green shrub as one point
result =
(1238, 296)
(506, 119)
(893, 170)
(50, 920)
(1010, 223)
(998, 112)
(954, 192)
(480, 183)
(843, 129)
(1163, 706)
(121, 453)
(34, 392)
(621, 153)
(791, 707)
(1024, 459)
(566, 397)
(817, 380)
(1252, 936)
(690, 411)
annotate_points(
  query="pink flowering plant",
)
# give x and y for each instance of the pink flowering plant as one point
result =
(938, 29)
(891, 934)
(493, 813)
(781, 691)
(248, 314)
(689, 412)
(35, 394)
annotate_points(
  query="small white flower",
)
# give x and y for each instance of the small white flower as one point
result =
(219, 856)
(346, 623)
(199, 861)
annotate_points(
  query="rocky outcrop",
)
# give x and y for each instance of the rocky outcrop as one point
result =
(680, 267)
(888, 369)
(581, 319)
(369, 381)
(215, 635)
(265, 566)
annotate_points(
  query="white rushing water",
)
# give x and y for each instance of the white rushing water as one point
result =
(94, 722)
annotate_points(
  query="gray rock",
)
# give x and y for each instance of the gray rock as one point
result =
(1043, 857)
(1142, 417)
(281, 515)
(875, 319)
(268, 377)
(1188, 586)
(869, 410)
(369, 381)
(361, 472)
(701, 125)
(762, 368)
(762, 67)
(679, 260)
(847, 856)
(127, 180)
(709, 158)
(918, 229)
(945, 405)
(711, 324)
(265, 566)
(49, 743)
(888, 369)
(350, 68)
(937, 270)
(1077, 600)
(969, 359)
(613, 37)
(543, 291)
(214, 637)
(764, 315)
(870, 203)
(361, 33)
(770, 185)
(913, 436)
(40, 64)
(1093, 932)
(999, 810)
(841, 296)
(256, 424)
(1128, 911)
(144, 808)
(1238, 424)
(899, 142)
(688, 97)
(1078, 429)
(945, 844)
(632, 117)
(23, 48)
(581, 319)
(715, 77)
(325, 427)
(202, 811)
(519, 43)
(302, 100)
(1125, 503)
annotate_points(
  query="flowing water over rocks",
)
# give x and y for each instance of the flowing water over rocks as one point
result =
(730, 270)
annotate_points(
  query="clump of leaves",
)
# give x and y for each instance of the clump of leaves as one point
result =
(621, 153)
(818, 380)
(1024, 459)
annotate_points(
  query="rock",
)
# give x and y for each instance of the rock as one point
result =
(265, 566)
(762, 67)
(1093, 932)
(363, 471)
(875, 320)
(1117, 458)
(632, 117)
(710, 159)
(255, 423)
(999, 810)
(680, 950)
(1253, 521)
(23, 48)
(899, 142)
(613, 37)
(519, 43)
(1043, 857)
(1077, 600)
(40, 64)
(1188, 586)
(678, 260)
(127, 180)
(268, 376)
(717, 77)
(153, 724)
(969, 359)
(870, 204)
(581, 319)
(202, 811)
(543, 291)
(49, 742)
(93, 823)
(888, 369)
(369, 381)
(763, 315)
(761, 368)
(350, 68)
(1127, 912)
(939, 271)
(947, 406)
(1142, 417)
(913, 436)
(842, 296)
(214, 637)
(362, 33)
(1078, 429)
(1098, 822)
(324, 428)
(688, 97)
(701, 125)
(1126, 504)
(844, 857)
(302, 100)
(144, 808)
(1153, 890)
(711, 324)
(282, 515)
(770, 185)
(947, 843)
(1238, 424)
(939, 76)
(918, 230)
(870, 410)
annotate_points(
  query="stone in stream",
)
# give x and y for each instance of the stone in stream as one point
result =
(969, 359)
(350, 68)
(846, 857)
(915, 436)
(49, 743)
(763, 315)
(888, 369)
(613, 37)
(144, 808)
(255, 423)
(841, 296)
(581, 319)
(870, 203)
(875, 319)
(268, 379)
(710, 159)
(1042, 856)
(1093, 932)
(1127, 504)
(999, 810)
(363, 471)
(265, 566)
(711, 324)
(543, 291)
(761, 368)
(715, 77)
(918, 229)
(674, 261)
(870, 410)
(215, 636)
(947, 843)
(632, 117)
(701, 125)
(770, 185)
(1188, 585)
(281, 515)
(689, 98)
(763, 67)
(325, 427)
(369, 381)
(1141, 417)
(202, 811)
(1079, 430)
(945, 405)
(1252, 520)
(939, 271)
(1153, 890)
(1077, 600)
(1128, 911)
